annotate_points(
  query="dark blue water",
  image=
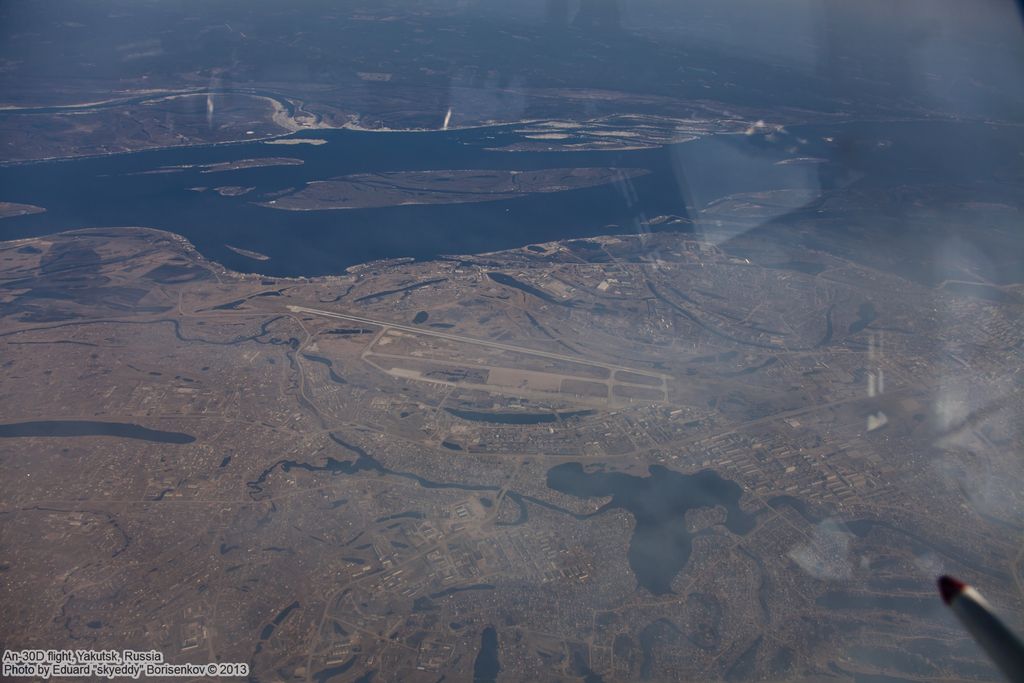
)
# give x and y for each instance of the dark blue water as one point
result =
(327, 674)
(461, 589)
(101, 191)
(661, 545)
(515, 418)
(123, 430)
(486, 666)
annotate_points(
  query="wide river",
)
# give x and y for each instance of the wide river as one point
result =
(114, 190)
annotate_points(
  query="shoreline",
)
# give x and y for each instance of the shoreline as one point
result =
(348, 273)
(352, 125)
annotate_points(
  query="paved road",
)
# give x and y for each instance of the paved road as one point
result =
(470, 340)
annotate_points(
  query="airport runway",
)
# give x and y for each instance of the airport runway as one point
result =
(470, 340)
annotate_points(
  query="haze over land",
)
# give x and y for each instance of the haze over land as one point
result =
(654, 341)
